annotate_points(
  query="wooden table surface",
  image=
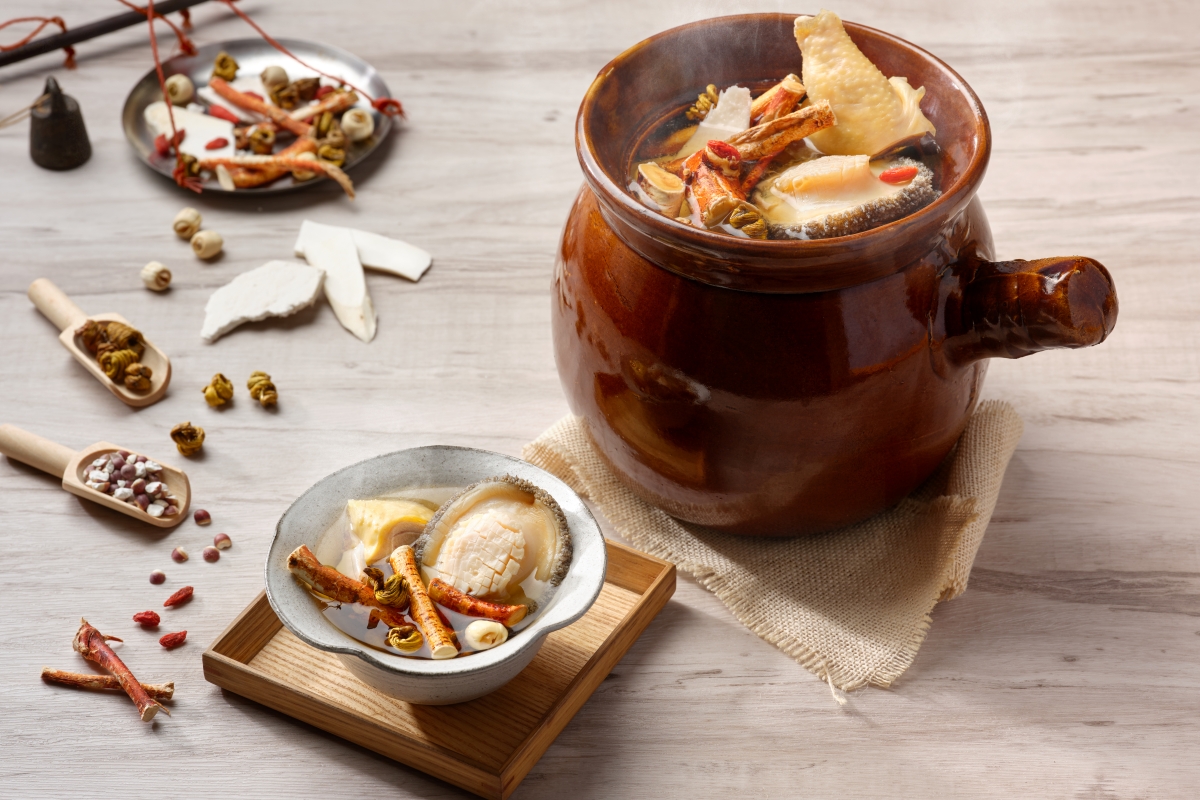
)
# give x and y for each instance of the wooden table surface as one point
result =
(1071, 667)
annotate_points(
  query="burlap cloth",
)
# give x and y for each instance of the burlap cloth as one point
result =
(852, 606)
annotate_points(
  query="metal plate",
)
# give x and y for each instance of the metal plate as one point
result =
(253, 56)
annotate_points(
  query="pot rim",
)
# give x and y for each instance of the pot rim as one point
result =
(773, 265)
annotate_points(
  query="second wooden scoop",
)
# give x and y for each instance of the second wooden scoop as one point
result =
(59, 309)
(73, 466)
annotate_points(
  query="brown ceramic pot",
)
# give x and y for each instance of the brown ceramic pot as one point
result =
(787, 387)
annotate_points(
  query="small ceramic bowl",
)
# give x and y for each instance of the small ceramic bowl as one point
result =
(425, 681)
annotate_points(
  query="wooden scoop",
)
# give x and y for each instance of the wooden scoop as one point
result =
(72, 466)
(59, 309)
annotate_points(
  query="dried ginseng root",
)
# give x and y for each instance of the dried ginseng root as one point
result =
(441, 644)
(445, 594)
(80, 680)
(778, 101)
(329, 582)
(271, 112)
(769, 138)
(92, 645)
(283, 164)
(188, 438)
(261, 389)
(219, 391)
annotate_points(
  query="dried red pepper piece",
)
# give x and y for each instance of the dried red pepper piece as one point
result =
(148, 618)
(182, 596)
(173, 640)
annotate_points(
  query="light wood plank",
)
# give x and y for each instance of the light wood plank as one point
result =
(1071, 667)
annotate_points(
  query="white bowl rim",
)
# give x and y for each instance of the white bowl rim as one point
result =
(587, 542)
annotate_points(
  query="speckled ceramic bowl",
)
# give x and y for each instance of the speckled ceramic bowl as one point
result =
(420, 680)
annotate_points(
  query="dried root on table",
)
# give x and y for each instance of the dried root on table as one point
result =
(93, 645)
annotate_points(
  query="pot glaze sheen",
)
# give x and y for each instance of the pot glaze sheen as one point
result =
(788, 387)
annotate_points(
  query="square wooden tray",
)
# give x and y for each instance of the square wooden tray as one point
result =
(483, 746)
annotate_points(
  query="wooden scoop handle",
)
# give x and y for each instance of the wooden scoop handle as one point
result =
(57, 307)
(35, 451)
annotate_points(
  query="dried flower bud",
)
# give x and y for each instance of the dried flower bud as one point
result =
(749, 220)
(224, 66)
(90, 335)
(180, 89)
(273, 77)
(211, 554)
(137, 377)
(262, 139)
(219, 391)
(191, 165)
(188, 438)
(261, 389)
(114, 363)
(703, 104)
(406, 638)
(332, 155)
(158, 576)
(207, 244)
(202, 517)
(123, 337)
(222, 541)
(156, 276)
(187, 222)
(394, 592)
(323, 123)
(358, 123)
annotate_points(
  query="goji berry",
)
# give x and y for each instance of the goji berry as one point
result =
(898, 174)
(182, 596)
(173, 640)
(217, 143)
(148, 618)
(220, 112)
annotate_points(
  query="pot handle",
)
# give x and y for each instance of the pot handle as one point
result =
(1010, 309)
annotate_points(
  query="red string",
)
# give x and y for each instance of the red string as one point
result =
(70, 51)
(384, 105)
(185, 44)
(180, 173)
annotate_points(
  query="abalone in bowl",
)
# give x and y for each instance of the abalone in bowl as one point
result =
(428, 472)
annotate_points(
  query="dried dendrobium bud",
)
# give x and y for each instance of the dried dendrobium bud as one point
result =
(188, 438)
(219, 391)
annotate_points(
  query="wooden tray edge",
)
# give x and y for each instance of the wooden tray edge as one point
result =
(226, 664)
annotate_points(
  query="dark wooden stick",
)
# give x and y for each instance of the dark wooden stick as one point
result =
(100, 27)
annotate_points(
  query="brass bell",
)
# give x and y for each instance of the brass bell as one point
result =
(57, 136)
